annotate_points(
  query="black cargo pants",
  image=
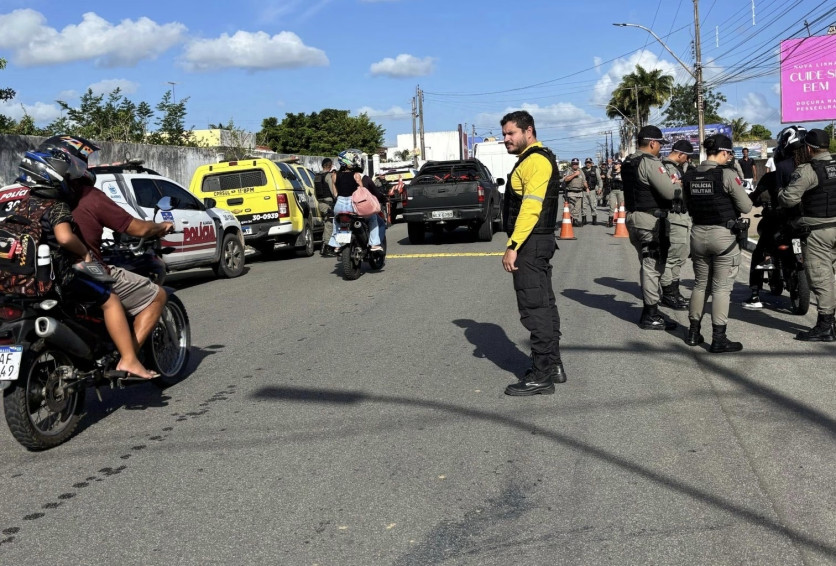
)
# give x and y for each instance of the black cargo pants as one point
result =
(536, 301)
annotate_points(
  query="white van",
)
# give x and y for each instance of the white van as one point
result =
(496, 158)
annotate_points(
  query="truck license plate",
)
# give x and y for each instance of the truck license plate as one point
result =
(10, 362)
(442, 214)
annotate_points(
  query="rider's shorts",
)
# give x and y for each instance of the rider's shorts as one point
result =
(135, 291)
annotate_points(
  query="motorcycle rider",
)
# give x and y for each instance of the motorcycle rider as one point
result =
(348, 178)
(773, 217)
(715, 198)
(40, 171)
(813, 186)
(92, 212)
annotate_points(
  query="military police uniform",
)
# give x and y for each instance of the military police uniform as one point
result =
(648, 192)
(813, 186)
(590, 195)
(680, 233)
(715, 198)
(530, 220)
(574, 191)
(616, 195)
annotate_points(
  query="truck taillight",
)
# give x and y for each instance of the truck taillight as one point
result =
(10, 313)
(481, 193)
(284, 211)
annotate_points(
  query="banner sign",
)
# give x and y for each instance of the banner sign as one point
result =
(808, 79)
(692, 134)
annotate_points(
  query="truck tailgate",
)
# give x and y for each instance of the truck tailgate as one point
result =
(442, 196)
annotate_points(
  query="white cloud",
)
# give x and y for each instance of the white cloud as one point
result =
(560, 115)
(125, 44)
(647, 59)
(252, 51)
(66, 95)
(403, 66)
(754, 108)
(41, 112)
(393, 113)
(776, 88)
(596, 61)
(109, 85)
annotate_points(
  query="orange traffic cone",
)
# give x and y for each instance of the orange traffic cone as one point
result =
(621, 226)
(566, 231)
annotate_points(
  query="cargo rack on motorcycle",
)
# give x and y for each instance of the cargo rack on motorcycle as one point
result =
(129, 165)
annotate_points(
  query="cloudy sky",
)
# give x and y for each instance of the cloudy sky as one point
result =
(475, 61)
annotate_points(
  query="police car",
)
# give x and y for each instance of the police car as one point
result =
(204, 236)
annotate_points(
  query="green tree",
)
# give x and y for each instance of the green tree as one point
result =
(324, 133)
(759, 132)
(638, 92)
(112, 118)
(740, 129)
(5, 93)
(172, 129)
(682, 107)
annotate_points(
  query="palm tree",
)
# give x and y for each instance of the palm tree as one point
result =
(739, 129)
(638, 92)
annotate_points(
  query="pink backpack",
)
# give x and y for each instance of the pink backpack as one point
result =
(364, 202)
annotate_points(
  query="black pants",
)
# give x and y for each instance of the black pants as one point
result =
(536, 301)
(767, 228)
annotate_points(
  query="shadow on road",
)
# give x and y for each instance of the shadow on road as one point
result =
(343, 397)
(491, 342)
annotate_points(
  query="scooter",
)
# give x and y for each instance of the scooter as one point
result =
(351, 232)
(787, 269)
(52, 350)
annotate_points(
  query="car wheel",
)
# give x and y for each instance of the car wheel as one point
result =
(485, 231)
(231, 262)
(416, 231)
(307, 249)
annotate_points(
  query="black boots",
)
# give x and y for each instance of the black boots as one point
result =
(821, 332)
(693, 337)
(609, 222)
(652, 320)
(719, 342)
(533, 383)
(671, 297)
(594, 220)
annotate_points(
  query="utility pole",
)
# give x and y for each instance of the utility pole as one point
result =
(414, 134)
(698, 78)
(420, 97)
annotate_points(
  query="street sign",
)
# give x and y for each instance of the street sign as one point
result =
(831, 30)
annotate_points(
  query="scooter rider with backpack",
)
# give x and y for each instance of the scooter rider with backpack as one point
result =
(347, 180)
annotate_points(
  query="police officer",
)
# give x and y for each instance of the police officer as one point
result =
(594, 186)
(326, 194)
(680, 227)
(813, 184)
(648, 192)
(716, 198)
(616, 196)
(532, 192)
(575, 186)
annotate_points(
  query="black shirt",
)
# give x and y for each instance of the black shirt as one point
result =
(346, 185)
(748, 167)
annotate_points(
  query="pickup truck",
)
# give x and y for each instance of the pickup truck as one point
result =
(447, 194)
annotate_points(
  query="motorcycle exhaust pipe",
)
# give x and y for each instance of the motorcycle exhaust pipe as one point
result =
(59, 335)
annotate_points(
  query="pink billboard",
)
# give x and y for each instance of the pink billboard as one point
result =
(808, 79)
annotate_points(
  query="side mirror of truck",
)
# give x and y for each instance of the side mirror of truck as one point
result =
(500, 182)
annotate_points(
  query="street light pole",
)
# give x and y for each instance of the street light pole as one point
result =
(696, 72)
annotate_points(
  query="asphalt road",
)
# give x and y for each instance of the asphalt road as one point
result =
(357, 423)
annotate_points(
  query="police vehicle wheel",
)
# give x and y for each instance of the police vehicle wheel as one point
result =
(231, 262)
(307, 249)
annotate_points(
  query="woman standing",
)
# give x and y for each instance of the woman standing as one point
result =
(716, 198)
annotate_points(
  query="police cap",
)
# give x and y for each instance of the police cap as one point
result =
(575, 160)
(588, 160)
(683, 146)
(718, 142)
(816, 138)
(653, 133)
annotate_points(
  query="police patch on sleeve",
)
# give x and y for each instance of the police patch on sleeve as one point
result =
(796, 175)
(662, 170)
(738, 181)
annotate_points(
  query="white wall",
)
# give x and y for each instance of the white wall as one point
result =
(440, 146)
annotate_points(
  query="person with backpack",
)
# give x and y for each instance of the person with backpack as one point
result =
(347, 180)
(48, 172)
(326, 193)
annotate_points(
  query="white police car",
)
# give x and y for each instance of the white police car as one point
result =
(204, 235)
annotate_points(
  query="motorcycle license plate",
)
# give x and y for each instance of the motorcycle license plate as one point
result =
(442, 214)
(796, 246)
(10, 362)
(343, 237)
(247, 230)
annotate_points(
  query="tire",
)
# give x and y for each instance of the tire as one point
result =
(776, 282)
(167, 349)
(350, 267)
(416, 232)
(497, 223)
(231, 262)
(485, 232)
(307, 250)
(37, 418)
(800, 293)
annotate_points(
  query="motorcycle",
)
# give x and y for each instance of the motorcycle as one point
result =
(787, 269)
(52, 350)
(351, 232)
